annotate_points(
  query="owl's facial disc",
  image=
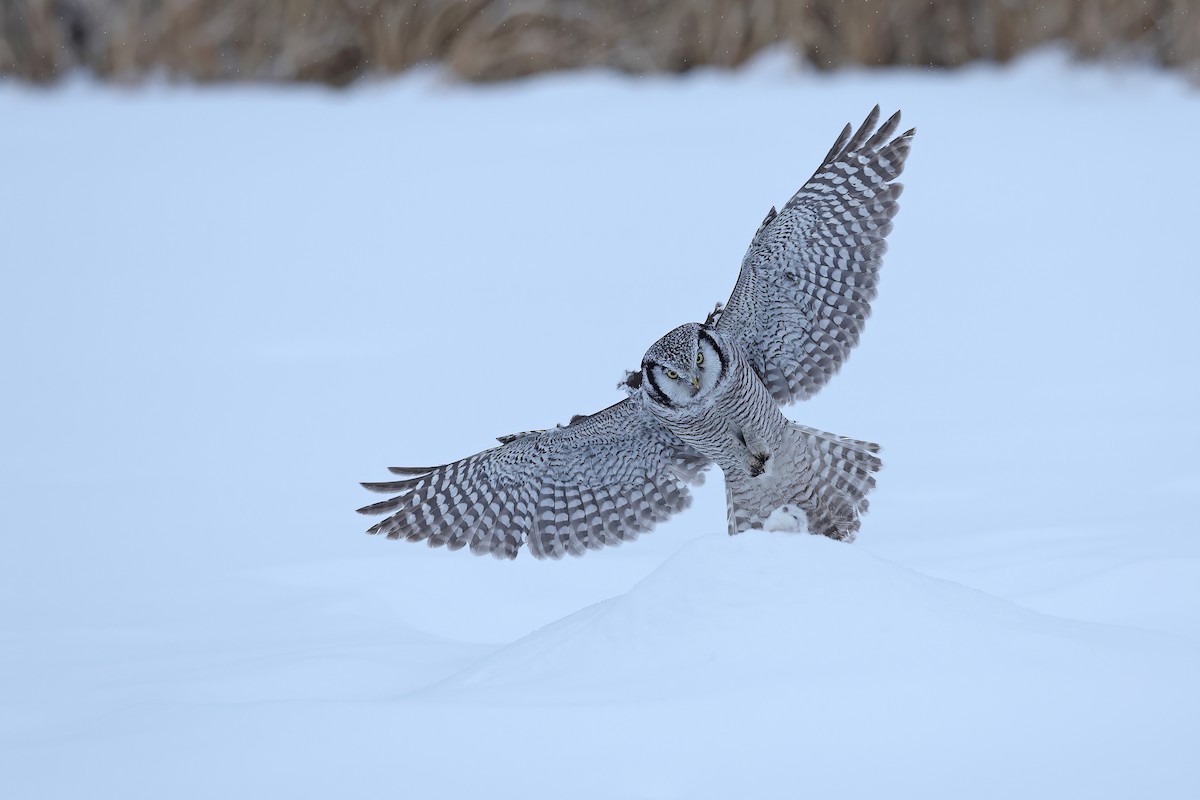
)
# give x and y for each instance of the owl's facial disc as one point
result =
(682, 367)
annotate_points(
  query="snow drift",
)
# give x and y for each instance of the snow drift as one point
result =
(785, 651)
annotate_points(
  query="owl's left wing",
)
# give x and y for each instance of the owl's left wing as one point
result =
(599, 481)
(807, 282)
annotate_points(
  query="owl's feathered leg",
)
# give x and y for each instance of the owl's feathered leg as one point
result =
(757, 454)
(825, 476)
(756, 450)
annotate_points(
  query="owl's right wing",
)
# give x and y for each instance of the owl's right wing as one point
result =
(807, 282)
(599, 481)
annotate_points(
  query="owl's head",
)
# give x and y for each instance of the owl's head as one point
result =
(683, 366)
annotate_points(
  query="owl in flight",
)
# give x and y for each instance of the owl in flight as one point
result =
(706, 393)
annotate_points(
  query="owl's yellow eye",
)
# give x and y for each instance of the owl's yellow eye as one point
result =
(699, 358)
(672, 374)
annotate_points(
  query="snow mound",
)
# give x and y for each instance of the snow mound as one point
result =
(766, 661)
(772, 665)
(782, 608)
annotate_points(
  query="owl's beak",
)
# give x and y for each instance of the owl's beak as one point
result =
(695, 383)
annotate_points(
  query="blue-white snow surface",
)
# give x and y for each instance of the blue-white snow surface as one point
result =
(222, 307)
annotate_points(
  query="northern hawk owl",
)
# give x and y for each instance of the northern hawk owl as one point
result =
(706, 393)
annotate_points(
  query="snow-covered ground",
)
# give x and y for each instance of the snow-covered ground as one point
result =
(222, 307)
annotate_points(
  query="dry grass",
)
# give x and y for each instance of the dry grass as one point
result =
(337, 41)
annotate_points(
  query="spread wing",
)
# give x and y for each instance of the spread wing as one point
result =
(806, 284)
(599, 481)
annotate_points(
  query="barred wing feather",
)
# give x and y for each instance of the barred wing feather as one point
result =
(807, 282)
(599, 481)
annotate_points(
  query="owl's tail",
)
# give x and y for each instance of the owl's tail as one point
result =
(825, 476)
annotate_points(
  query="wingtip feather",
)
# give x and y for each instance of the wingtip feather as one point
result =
(410, 470)
(383, 506)
(390, 487)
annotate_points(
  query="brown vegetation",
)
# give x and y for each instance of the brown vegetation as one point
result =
(337, 41)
